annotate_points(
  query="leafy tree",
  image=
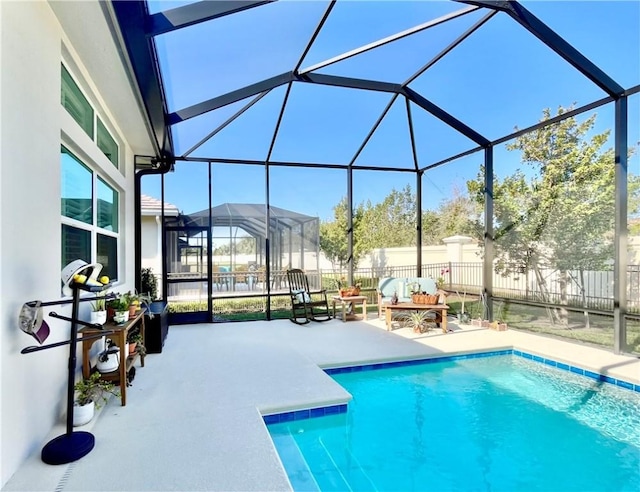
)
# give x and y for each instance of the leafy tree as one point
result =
(457, 215)
(557, 213)
(222, 250)
(245, 245)
(334, 239)
(390, 223)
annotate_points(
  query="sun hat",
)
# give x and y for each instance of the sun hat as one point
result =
(77, 267)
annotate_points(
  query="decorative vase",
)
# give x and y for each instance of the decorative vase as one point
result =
(82, 414)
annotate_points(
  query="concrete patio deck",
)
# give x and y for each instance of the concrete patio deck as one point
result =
(193, 415)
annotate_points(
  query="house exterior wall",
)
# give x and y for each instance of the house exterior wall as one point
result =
(151, 248)
(33, 125)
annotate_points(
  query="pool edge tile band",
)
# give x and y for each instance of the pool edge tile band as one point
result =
(278, 418)
(291, 416)
(620, 383)
(413, 362)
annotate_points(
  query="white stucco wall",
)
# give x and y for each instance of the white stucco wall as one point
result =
(150, 247)
(33, 126)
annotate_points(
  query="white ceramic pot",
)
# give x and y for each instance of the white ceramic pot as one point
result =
(121, 317)
(98, 317)
(82, 414)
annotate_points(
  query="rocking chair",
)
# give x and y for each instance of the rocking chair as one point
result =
(303, 306)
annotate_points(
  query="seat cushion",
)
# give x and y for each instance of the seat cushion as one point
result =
(301, 296)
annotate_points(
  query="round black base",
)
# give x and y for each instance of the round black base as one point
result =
(67, 448)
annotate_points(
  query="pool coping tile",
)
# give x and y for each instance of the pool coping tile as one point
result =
(304, 414)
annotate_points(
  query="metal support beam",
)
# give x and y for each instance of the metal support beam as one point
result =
(229, 98)
(141, 51)
(226, 123)
(419, 222)
(349, 82)
(443, 116)
(252, 162)
(350, 226)
(620, 241)
(412, 136)
(390, 39)
(487, 267)
(373, 130)
(194, 13)
(549, 37)
(451, 46)
(418, 217)
(315, 34)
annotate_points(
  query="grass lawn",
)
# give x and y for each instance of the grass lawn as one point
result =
(598, 331)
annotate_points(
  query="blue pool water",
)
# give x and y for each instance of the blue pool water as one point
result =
(497, 423)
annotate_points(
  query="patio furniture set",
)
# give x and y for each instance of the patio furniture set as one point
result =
(395, 295)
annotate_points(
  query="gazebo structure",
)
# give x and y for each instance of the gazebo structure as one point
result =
(292, 235)
(222, 251)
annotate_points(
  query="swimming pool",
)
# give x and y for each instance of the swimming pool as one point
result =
(494, 423)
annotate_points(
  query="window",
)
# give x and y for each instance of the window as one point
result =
(89, 209)
(76, 104)
(79, 108)
(106, 143)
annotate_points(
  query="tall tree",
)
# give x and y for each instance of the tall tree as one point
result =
(558, 212)
(392, 222)
(334, 239)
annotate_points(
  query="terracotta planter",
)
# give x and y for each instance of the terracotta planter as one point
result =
(350, 292)
(132, 310)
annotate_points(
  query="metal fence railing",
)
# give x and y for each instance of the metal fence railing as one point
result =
(588, 289)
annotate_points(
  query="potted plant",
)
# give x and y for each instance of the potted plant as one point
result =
(134, 303)
(99, 310)
(90, 394)
(136, 343)
(149, 283)
(121, 307)
(418, 320)
(463, 316)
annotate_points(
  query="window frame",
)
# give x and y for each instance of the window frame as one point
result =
(97, 120)
(93, 228)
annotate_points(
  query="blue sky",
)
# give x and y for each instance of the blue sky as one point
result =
(499, 78)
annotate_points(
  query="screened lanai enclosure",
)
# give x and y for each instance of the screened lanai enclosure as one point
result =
(236, 234)
(386, 129)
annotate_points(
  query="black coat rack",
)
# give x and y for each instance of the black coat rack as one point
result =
(72, 445)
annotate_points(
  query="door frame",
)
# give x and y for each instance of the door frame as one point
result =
(195, 316)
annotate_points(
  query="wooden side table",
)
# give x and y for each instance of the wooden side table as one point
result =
(119, 336)
(345, 301)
